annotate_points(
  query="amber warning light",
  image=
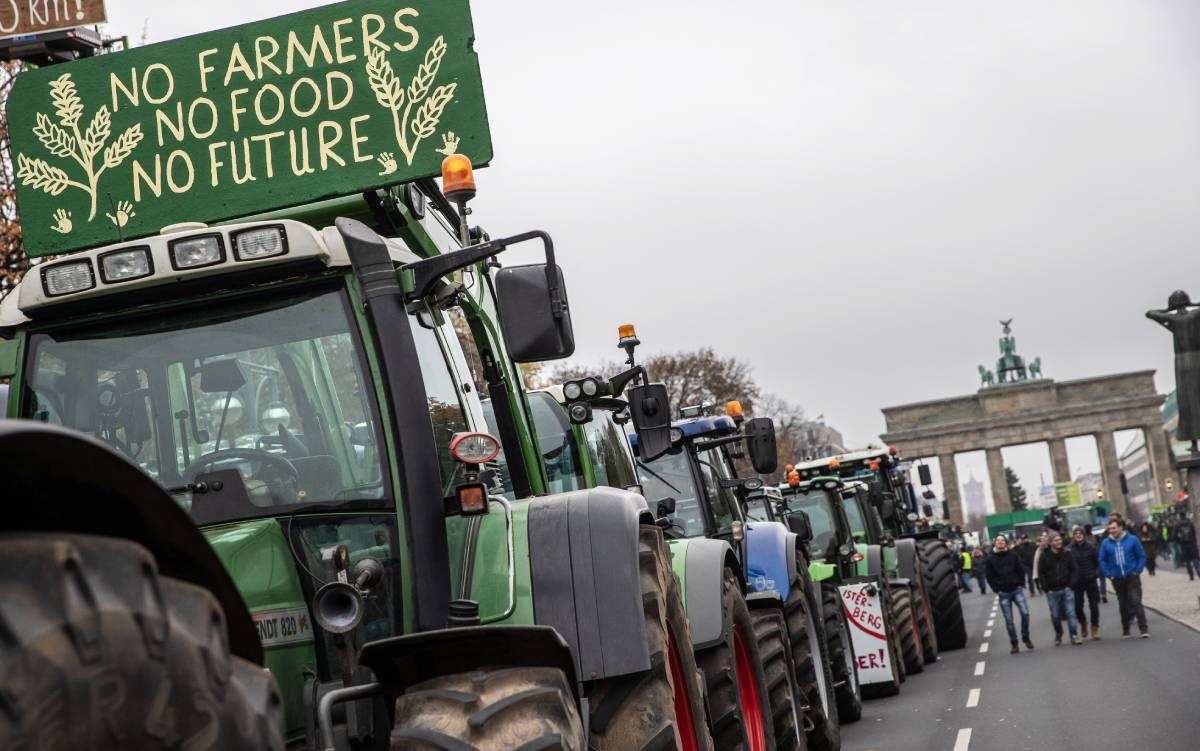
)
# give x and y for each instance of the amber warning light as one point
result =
(458, 178)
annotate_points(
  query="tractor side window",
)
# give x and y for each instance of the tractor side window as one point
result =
(719, 498)
(563, 470)
(858, 525)
(441, 389)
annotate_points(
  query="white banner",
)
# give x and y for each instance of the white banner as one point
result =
(864, 613)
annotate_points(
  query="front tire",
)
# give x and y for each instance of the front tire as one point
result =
(784, 698)
(841, 656)
(491, 709)
(733, 672)
(905, 621)
(945, 602)
(97, 650)
(814, 674)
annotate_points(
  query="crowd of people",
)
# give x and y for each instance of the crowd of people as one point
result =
(1073, 574)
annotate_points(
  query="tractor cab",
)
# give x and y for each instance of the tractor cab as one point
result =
(832, 539)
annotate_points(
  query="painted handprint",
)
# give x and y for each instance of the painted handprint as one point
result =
(449, 144)
(387, 160)
(62, 222)
(125, 212)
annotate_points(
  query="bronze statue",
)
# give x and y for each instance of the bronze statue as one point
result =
(986, 376)
(1035, 368)
(1182, 318)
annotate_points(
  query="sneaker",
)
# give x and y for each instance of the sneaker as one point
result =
(1145, 634)
(1104, 600)
(1125, 635)
(1015, 649)
(1095, 633)
(1076, 640)
(1058, 640)
(1028, 643)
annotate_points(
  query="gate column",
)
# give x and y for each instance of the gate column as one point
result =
(999, 481)
(1058, 460)
(950, 487)
(1110, 472)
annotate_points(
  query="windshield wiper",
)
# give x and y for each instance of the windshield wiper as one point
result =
(659, 477)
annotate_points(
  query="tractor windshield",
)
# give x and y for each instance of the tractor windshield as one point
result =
(274, 391)
(670, 477)
(609, 451)
(820, 512)
(858, 525)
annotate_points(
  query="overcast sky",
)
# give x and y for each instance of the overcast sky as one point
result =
(849, 195)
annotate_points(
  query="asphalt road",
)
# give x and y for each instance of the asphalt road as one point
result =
(1109, 694)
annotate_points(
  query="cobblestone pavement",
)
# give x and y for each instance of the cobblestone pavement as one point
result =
(1172, 594)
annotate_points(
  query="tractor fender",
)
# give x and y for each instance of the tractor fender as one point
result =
(583, 561)
(770, 558)
(705, 565)
(906, 557)
(58, 480)
(874, 560)
(402, 661)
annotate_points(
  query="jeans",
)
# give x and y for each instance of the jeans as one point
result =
(982, 582)
(1062, 607)
(1006, 602)
(1029, 581)
(1129, 598)
(1092, 590)
(1103, 587)
(964, 581)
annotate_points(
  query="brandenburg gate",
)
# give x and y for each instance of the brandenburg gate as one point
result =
(1019, 409)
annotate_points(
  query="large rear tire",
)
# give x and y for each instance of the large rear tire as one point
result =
(905, 621)
(810, 653)
(929, 645)
(99, 651)
(648, 710)
(492, 709)
(941, 585)
(841, 656)
(733, 672)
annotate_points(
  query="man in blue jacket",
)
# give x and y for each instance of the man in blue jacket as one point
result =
(1122, 559)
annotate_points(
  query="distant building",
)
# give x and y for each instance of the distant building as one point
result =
(974, 500)
(821, 440)
(1135, 463)
(1089, 483)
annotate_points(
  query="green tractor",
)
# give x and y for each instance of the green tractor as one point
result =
(287, 461)
(922, 557)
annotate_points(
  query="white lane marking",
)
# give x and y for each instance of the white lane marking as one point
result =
(991, 623)
(973, 698)
(980, 667)
(963, 742)
(983, 648)
(987, 634)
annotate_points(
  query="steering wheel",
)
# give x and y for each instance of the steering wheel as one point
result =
(286, 469)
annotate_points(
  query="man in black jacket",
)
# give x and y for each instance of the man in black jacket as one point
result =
(1057, 572)
(1087, 564)
(1007, 577)
(1025, 550)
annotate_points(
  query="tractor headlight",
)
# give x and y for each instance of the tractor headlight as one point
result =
(65, 278)
(124, 265)
(197, 252)
(572, 390)
(260, 242)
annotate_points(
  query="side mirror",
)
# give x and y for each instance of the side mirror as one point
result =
(666, 507)
(534, 330)
(875, 492)
(760, 441)
(800, 525)
(650, 409)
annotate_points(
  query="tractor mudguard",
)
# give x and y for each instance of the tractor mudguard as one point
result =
(770, 558)
(873, 558)
(706, 563)
(583, 562)
(906, 557)
(58, 480)
(402, 661)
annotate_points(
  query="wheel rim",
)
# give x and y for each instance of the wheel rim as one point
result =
(748, 697)
(684, 719)
(818, 651)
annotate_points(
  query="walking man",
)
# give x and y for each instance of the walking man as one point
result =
(1122, 560)
(1058, 574)
(1148, 536)
(1185, 536)
(978, 559)
(962, 560)
(1087, 561)
(1025, 550)
(1007, 576)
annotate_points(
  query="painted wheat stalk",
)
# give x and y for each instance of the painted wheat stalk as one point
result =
(393, 96)
(65, 141)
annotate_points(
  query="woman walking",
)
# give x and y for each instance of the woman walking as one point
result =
(1148, 536)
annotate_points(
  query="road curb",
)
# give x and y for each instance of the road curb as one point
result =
(1172, 618)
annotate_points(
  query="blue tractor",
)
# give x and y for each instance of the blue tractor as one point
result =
(697, 492)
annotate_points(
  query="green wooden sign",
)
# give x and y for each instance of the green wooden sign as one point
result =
(328, 102)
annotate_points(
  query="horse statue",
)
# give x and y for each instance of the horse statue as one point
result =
(986, 376)
(1035, 368)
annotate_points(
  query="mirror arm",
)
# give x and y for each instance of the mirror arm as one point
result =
(421, 276)
(617, 384)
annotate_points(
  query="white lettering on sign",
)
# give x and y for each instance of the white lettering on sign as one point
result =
(278, 627)
(864, 613)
